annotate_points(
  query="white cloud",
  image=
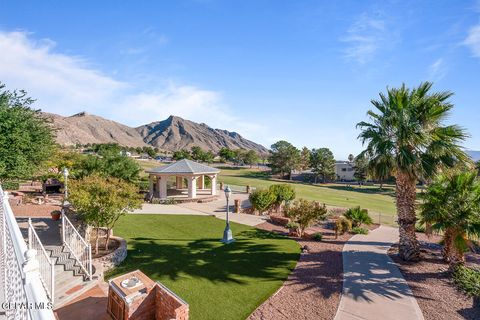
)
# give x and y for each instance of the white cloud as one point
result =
(437, 70)
(66, 85)
(364, 38)
(473, 40)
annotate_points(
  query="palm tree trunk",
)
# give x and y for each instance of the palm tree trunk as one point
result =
(409, 248)
(451, 253)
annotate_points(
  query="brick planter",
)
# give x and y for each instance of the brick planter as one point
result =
(114, 258)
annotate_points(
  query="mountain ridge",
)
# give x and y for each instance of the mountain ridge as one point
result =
(171, 134)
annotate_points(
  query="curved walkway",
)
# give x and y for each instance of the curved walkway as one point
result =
(373, 286)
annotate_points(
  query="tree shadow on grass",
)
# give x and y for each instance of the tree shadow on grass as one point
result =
(209, 259)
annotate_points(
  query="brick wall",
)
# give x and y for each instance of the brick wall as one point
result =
(169, 305)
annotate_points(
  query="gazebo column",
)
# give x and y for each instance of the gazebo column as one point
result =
(150, 185)
(192, 187)
(162, 187)
(201, 182)
(179, 182)
(213, 185)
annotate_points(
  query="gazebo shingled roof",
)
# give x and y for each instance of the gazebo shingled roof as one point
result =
(184, 166)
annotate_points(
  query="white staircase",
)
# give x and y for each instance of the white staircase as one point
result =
(70, 280)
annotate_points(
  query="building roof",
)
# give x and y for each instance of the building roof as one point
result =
(184, 166)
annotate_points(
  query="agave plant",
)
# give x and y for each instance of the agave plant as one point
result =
(452, 206)
(407, 132)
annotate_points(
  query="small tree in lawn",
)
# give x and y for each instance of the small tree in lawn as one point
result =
(358, 216)
(284, 193)
(305, 213)
(262, 200)
(102, 201)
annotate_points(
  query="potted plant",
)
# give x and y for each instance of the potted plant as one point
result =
(56, 215)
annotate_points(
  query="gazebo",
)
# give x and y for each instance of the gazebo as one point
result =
(192, 171)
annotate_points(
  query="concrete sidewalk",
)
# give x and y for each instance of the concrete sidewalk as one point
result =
(373, 286)
(215, 208)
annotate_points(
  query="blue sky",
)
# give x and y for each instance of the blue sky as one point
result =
(303, 71)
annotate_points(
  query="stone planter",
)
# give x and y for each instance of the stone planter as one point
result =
(114, 258)
(282, 221)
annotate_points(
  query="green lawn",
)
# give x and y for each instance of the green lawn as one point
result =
(370, 197)
(218, 281)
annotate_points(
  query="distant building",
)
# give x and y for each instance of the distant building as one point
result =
(344, 170)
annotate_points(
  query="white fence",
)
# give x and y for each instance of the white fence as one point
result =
(21, 286)
(47, 267)
(78, 247)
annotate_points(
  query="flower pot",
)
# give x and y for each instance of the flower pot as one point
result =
(56, 215)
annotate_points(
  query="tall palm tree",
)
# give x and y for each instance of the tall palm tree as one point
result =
(452, 206)
(407, 130)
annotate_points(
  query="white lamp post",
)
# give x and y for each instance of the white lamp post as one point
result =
(65, 176)
(227, 233)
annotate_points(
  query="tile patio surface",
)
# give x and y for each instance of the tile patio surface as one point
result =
(373, 286)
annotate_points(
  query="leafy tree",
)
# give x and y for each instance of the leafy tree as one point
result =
(262, 200)
(26, 138)
(109, 164)
(284, 193)
(407, 130)
(250, 158)
(305, 213)
(197, 153)
(284, 158)
(181, 154)
(358, 216)
(305, 155)
(361, 169)
(102, 201)
(322, 163)
(452, 206)
(227, 154)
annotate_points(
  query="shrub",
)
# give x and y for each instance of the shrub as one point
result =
(336, 212)
(342, 225)
(467, 280)
(317, 236)
(292, 225)
(358, 216)
(262, 200)
(359, 230)
(10, 185)
(283, 193)
(306, 212)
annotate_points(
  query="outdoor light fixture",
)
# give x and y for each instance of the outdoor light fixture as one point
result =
(227, 233)
(65, 176)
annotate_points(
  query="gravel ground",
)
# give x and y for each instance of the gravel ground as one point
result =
(430, 282)
(313, 289)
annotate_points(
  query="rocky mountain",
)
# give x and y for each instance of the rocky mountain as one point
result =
(171, 134)
(176, 133)
(87, 128)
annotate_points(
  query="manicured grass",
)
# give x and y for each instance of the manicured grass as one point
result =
(218, 281)
(370, 197)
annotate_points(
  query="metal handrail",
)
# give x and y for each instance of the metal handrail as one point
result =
(31, 235)
(86, 267)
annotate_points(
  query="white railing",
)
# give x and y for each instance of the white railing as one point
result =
(47, 267)
(21, 287)
(78, 247)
